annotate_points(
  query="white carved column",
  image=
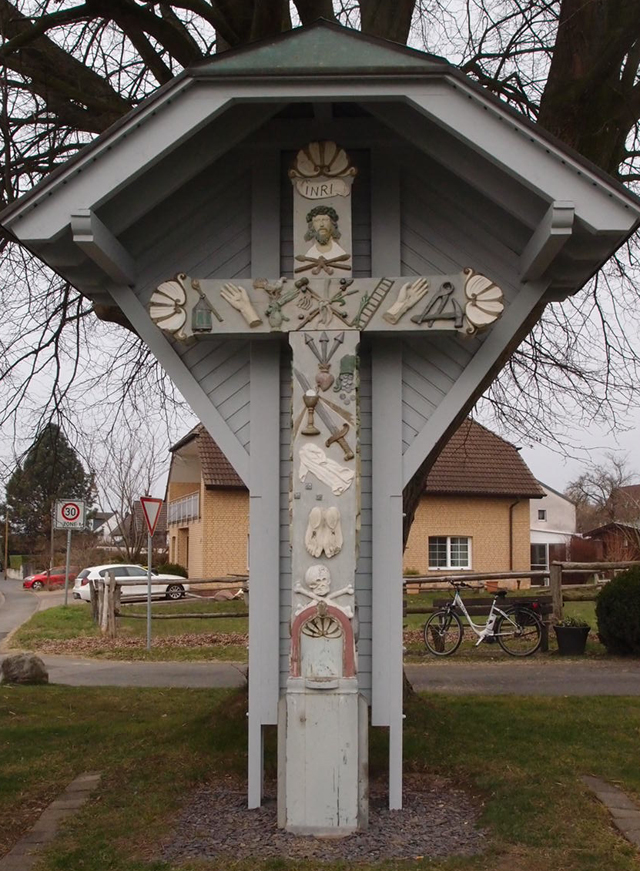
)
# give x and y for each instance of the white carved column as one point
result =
(324, 725)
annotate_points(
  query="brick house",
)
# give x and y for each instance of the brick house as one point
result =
(475, 512)
(474, 515)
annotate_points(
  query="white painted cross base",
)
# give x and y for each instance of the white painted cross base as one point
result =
(323, 719)
(323, 788)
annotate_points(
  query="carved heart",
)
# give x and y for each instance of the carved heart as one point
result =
(324, 380)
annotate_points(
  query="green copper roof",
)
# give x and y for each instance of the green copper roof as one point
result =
(323, 47)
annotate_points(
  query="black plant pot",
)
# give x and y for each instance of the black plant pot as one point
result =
(572, 640)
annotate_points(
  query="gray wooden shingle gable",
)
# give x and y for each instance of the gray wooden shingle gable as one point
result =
(193, 181)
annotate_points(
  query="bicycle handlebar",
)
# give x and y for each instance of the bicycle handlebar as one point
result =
(461, 584)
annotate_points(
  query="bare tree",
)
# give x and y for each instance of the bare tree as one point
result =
(132, 467)
(69, 69)
(602, 494)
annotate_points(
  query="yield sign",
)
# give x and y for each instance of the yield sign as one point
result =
(151, 510)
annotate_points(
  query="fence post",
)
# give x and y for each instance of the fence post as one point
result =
(110, 602)
(555, 582)
(93, 596)
(101, 594)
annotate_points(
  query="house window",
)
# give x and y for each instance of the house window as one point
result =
(449, 552)
(539, 559)
(542, 513)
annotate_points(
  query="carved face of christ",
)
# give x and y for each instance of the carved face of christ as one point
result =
(322, 229)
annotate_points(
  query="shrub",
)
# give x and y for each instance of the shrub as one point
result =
(618, 614)
(172, 569)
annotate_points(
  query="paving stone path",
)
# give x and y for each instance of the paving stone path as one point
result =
(624, 811)
(23, 856)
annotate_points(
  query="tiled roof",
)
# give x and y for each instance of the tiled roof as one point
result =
(217, 471)
(613, 525)
(475, 461)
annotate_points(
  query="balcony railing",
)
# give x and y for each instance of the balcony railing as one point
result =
(185, 509)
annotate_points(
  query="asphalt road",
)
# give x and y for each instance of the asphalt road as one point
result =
(511, 676)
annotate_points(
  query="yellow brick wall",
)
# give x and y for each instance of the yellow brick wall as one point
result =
(484, 520)
(195, 567)
(178, 489)
(225, 530)
(187, 555)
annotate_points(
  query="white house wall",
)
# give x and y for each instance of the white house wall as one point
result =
(561, 517)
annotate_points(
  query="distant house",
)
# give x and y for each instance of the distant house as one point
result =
(619, 542)
(207, 509)
(553, 528)
(474, 515)
(97, 521)
(126, 533)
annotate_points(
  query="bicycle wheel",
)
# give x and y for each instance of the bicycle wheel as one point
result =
(519, 632)
(443, 633)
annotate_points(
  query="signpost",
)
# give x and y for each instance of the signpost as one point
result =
(151, 510)
(69, 514)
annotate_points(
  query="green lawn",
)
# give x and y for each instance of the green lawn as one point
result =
(519, 758)
(71, 630)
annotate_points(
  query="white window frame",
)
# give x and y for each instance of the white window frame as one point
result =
(449, 566)
(538, 566)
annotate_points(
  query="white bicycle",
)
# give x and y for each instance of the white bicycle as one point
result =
(517, 628)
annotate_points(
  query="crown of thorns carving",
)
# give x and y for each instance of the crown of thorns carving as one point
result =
(323, 210)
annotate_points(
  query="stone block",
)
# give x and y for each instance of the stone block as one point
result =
(24, 668)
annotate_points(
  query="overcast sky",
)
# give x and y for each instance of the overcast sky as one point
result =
(556, 471)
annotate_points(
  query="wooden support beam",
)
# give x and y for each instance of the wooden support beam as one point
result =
(200, 403)
(387, 587)
(505, 335)
(264, 557)
(99, 243)
(552, 234)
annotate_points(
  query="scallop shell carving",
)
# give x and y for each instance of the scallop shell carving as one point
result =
(486, 301)
(167, 306)
(322, 627)
(321, 159)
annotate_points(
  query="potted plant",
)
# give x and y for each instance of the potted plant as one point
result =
(571, 635)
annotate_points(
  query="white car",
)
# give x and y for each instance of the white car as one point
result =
(162, 586)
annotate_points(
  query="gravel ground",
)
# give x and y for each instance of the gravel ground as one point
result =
(436, 820)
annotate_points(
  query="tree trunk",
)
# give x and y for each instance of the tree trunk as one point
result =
(387, 20)
(591, 100)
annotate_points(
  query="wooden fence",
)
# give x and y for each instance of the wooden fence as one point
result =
(557, 574)
(105, 597)
(105, 594)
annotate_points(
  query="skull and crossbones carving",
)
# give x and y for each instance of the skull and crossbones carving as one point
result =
(317, 586)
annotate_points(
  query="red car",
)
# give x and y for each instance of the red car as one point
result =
(55, 578)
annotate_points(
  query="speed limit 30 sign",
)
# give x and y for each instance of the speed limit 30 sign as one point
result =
(69, 514)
